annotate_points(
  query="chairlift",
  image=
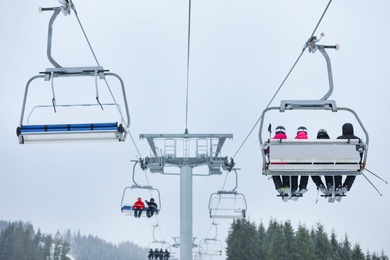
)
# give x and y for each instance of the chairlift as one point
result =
(88, 130)
(211, 246)
(228, 204)
(313, 157)
(132, 192)
(159, 244)
(176, 243)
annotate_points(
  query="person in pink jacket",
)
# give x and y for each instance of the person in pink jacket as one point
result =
(301, 134)
(281, 184)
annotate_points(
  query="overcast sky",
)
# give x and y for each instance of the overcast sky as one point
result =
(240, 53)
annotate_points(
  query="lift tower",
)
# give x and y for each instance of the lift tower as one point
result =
(206, 152)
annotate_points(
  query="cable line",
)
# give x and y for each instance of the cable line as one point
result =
(132, 139)
(72, 6)
(85, 35)
(288, 74)
(188, 61)
(322, 16)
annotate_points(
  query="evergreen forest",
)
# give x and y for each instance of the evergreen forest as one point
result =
(246, 241)
(19, 241)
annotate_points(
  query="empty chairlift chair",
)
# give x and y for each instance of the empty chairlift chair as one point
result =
(228, 204)
(77, 128)
(211, 246)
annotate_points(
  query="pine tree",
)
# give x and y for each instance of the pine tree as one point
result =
(322, 247)
(242, 243)
(335, 246)
(288, 241)
(274, 241)
(304, 244)
(65, 251)
(346, 252)
(48, 241)
(357, 253)
(384, 256)
(262, 238)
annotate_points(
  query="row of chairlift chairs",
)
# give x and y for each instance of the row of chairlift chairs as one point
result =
(223, 204)
(284, 157)
(116, 130)
(209, 246)
(287, 157)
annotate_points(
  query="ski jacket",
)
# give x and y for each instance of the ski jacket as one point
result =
(301, 135)
(280, 136)
(348, 132)
(139, 205)
(151, 204)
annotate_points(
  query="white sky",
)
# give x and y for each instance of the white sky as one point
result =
(240, 53)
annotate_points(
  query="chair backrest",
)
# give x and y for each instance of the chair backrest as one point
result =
(314, 157)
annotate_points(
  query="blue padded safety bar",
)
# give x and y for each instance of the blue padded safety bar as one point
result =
(130, 208)
(69, 127)
(70, 132)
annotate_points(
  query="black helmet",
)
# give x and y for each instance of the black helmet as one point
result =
(322, 134)
(151, 199)
(302, 129)
(280, 129)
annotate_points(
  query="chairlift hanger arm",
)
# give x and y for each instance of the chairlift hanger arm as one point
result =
(66, 6)
(56, 10)
(313, 47)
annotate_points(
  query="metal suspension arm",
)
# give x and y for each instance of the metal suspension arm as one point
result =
(313, 46)
(56, 10)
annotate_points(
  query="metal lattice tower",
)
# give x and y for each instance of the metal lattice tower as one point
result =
(207, 152)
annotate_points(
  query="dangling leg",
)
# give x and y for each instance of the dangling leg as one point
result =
(337, 180)
(294, 184)
(329, 182)
(303, 183)
(349, 181)
(278, 184)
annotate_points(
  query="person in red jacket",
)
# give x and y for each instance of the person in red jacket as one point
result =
(138, 206)
(301, 134)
